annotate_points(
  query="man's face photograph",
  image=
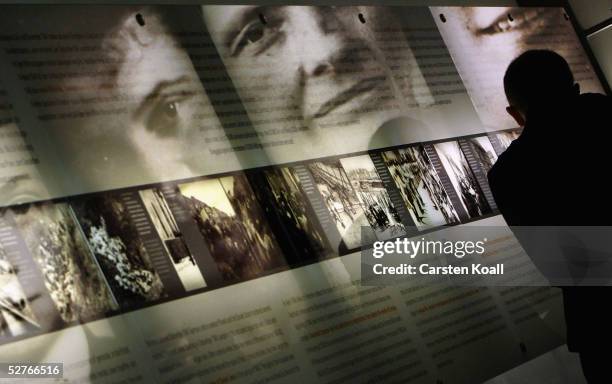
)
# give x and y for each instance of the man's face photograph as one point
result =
(318, 70)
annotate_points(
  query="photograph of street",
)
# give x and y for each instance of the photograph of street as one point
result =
(342, 202)
(290, 215)
(458, 170)
(233, 226)
(420, 187)
(169, 233)
(483, 151)
(377, 205)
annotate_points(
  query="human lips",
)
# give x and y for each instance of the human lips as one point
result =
(360, 90)
(515, 20)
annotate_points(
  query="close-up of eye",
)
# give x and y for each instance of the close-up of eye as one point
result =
(256, 35)
(250, 34)
(170, 109)
(163, 109)
(164, 117)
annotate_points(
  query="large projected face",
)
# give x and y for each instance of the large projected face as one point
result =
(484, 40)
(170, 108)
(144, 109)
(317, 71)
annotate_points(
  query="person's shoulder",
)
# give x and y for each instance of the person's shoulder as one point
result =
(595, 97)
(511, 153)
(593, 114)
(595, 102)
(505, 163)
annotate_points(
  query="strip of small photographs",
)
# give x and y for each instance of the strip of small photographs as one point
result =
(119, 250)
(168, 230)
(285, 205)
(421, 188)
(233, 225)
(95, 263)
(463, 180)
(71, 274)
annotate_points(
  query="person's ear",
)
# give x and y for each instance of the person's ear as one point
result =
(516, 115)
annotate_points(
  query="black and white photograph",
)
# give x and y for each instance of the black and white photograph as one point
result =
(505, 138)
(377, 206)
(420, 187)
(489, 38)
(259, 237)
(483, 151)
(16, 316)
(317, 75)
(119, 250)
(290, 215)
(233, 227)
(458, 170)
(169, 233)
(138, 90)
(71, 274)
(342, 203)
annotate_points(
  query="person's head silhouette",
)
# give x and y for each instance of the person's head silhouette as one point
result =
(537, 78)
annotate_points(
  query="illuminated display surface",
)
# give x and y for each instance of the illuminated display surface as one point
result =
(186, 189)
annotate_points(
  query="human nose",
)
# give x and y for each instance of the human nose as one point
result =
(322, 42)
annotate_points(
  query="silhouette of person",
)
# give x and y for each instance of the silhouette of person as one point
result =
(537, 181)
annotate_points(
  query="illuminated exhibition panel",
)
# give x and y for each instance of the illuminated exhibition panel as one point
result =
(185, 190)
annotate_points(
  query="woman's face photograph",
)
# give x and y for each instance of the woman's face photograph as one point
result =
(142, 114)
(169, 112)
